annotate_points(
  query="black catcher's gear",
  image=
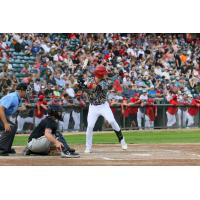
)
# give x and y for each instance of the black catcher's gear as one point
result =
(55, 111)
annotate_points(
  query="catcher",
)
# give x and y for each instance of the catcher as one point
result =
(97, 89)
(45, 135)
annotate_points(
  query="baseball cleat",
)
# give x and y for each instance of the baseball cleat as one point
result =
(87, 150)
(26, 151)
(68, 154)
(123, 144)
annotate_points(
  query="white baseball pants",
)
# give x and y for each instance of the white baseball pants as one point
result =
(39, 145)
(179, 113)
(66, 118)
(38, 120)
(140, 116)
(171, 119)
(21, 121)
(93, 114)
(190, 119)
(148, 122)
(77, 118)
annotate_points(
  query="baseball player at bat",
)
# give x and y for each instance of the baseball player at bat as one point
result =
(97, 88)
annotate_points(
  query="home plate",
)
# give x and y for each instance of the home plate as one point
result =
(106, 158)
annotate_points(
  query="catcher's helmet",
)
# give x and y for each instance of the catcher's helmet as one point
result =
(55, 111)
(100, 71)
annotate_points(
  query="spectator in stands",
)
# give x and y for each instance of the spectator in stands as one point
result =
(159, 63)
(69, 90)
(37, 86)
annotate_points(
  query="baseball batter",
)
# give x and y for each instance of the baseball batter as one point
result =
(97, 92)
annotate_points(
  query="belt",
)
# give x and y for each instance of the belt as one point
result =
(96, 104)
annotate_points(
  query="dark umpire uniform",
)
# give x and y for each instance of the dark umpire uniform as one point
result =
(9, 105)
(41, 140)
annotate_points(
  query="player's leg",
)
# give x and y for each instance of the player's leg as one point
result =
(152, 124)
(170, 119)
(20, 124)
(190, 120)
(29, 120)
(6, 139)
(37, 121)
(107, 113)
(39, 146)
(147, 122)
(173, 120)
(139, 119)
(92, 117)
(179, 113)
(76, 118)
(184, 118)
(66, 118)
(67, 152)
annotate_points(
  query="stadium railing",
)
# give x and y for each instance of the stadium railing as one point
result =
(126, 123)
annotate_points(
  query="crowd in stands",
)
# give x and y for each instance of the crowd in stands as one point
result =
(143, 66)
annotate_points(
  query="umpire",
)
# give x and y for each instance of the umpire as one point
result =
(9, 105)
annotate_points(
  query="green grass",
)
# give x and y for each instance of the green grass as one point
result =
(132, 137)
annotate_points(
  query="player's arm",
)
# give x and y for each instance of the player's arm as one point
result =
(135, 103)
(38, 107)
(22, 107)
(44, 106)
(3, 119)
(156, 110)
(92, 86)
(122, 108)
(52, 139)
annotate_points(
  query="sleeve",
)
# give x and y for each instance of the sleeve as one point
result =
(6, 101)
(104, 85)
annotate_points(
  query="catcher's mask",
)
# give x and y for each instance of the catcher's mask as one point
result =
(100, 71)
(55, 111)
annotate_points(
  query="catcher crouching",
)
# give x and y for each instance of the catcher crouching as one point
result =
(45, 135)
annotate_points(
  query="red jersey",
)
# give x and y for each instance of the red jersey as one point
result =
(193, 110)
(133, 110)
(150, 110)
(112, 108)
(126, 112)
(172, 110)
(42, 110)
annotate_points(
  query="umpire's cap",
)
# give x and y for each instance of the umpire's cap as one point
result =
(22, 86)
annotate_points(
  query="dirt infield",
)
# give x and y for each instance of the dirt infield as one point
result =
(109, 155)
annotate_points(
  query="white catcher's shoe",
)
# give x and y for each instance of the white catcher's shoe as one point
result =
(87, 150)
(123, 144)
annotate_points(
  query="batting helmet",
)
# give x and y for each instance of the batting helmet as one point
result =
(100, 71)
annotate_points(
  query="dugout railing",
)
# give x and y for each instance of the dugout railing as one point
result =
(125, 122)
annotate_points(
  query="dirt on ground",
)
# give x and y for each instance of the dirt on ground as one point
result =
(112, 155)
